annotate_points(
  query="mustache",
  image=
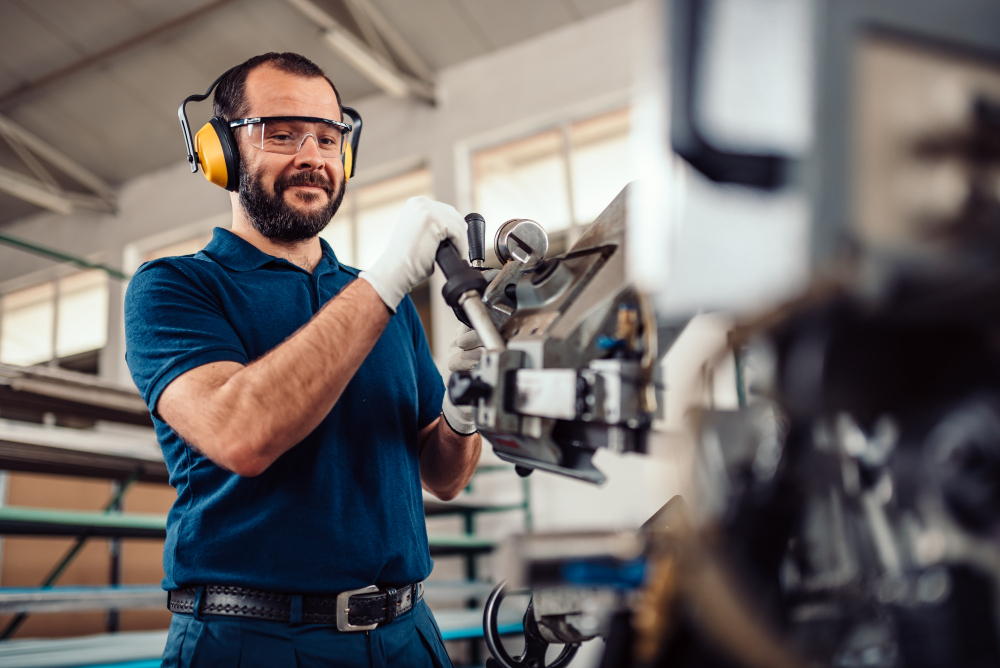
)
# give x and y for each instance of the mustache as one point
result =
(314, 179)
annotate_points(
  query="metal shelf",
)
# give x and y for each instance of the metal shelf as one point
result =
(80, 452)
(75, 599)
(461, 544)
(44, 522)
(69, 393)
(433, 508)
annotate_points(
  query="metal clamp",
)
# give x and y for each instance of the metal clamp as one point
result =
(344, 608)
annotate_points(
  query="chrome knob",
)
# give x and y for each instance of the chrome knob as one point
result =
(522, 240)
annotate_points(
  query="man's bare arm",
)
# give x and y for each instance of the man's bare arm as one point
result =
(447, 459)
(245, 417)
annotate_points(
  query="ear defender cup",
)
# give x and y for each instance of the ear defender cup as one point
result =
(217, 154)
(348, 159)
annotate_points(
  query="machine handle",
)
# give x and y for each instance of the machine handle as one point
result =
(463, 290)
(452, 264)
(477, 239)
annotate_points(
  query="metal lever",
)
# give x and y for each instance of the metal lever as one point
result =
(464, 288)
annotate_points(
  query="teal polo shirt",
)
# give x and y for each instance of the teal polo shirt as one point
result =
(340, 510)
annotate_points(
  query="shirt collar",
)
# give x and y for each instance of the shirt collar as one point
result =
(238, 254)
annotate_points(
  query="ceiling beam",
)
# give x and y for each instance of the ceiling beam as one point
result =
(368, 29)
(28, 87)
(394, 39)
(41, 194)
(34, 191)
(57, 159)
(379, 70)
(44, 190)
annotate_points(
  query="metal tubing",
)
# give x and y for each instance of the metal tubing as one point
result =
(475, 311)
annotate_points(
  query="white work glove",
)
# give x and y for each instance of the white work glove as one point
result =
(409, 258)
(466, 350)
(464, 353)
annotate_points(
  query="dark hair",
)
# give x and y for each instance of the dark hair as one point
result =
(230, 101)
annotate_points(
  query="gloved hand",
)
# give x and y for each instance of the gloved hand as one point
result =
(464, 353)
(466, 350)
(409, 258)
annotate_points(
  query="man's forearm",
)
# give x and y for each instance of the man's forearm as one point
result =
(448, 460)
(265, 408)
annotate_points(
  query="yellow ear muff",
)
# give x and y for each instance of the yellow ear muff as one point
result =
(214, 146)
(211, 156)
(348, 160)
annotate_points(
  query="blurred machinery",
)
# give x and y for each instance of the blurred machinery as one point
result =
(848, 512)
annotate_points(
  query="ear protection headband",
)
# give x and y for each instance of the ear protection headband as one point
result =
(214, 147)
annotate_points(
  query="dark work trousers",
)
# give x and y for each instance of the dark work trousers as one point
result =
(209, 641)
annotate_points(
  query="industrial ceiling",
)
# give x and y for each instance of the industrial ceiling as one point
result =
(89, 90)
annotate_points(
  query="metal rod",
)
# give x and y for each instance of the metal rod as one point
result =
(115, 562)
(741, 390)
(54, 254)
(481, 321)
(57, 571)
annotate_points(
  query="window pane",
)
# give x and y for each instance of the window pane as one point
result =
(374, 229)
(338, 232)
(26, 328)
(83, 313)
(522, 179)
(378, 208)
(599, 160)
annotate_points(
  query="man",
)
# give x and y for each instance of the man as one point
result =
(298, 407)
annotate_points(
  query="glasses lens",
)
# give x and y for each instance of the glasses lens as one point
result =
(289, 137)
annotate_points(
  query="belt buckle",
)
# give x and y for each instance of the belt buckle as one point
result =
(344, 607)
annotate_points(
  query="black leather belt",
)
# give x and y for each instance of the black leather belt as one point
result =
(355, 610)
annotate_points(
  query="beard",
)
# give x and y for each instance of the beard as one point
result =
(278, 221)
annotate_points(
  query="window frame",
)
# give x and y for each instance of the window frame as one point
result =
(561, 119)
(55, 275)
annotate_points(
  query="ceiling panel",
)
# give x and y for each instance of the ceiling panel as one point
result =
(96, 103)
(173, 75)
(89, 26)
(30, 49)
(512, 21)
(438, 31)
(8, 79)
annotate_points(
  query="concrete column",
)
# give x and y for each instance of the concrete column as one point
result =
(112, 359)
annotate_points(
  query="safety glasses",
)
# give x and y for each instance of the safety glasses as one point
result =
(288, 134)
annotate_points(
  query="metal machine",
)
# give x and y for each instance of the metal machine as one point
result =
(571, 347)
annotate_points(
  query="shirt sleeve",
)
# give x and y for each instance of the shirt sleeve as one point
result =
(173, 323)
(430, 387)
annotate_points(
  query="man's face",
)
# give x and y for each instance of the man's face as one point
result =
(289, 197)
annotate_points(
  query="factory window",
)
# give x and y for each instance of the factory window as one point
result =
(65, 320)
(362, 228)
(562, 176)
